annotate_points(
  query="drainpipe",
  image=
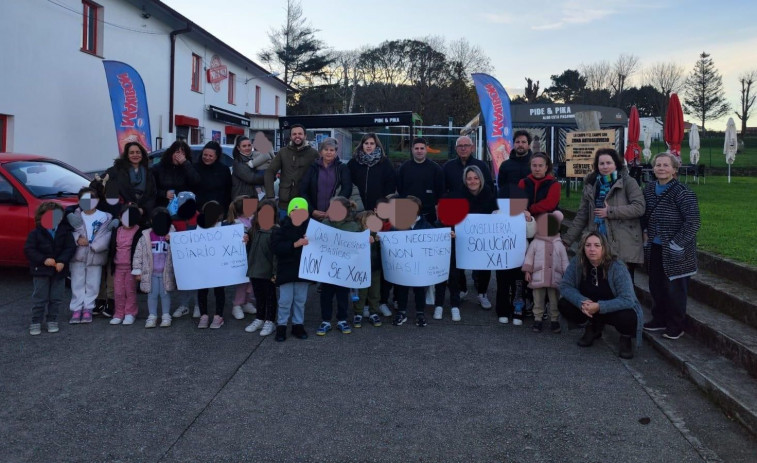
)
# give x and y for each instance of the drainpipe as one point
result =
(172, 37)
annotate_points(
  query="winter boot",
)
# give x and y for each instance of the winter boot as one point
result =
(298, 331)
(281, 333)
(625, 347)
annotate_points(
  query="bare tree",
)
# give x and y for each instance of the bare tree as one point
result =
(471, 57)
(532, 91)
(667, 78)
(599, 75)
(622, 70)
(746, 79)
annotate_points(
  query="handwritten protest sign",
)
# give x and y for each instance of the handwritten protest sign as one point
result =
(490, 242)
(338, 257)
(209, 257)
(416, 257)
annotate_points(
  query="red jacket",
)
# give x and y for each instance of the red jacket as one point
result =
(543, 194)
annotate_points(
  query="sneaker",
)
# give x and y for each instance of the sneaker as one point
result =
(399, 319)
(503, 320)
(35, 329)
(86, 316)
(128, 320)
(366, 312)
(654, 325)
(344, 327)
(165, 322)
(109, 308)
(357, 321)
(237, 312)
(323, 329)
(181, 311)
(455, 314)
(438, 311)
(268, 328)
(555, 327)
(52, 327)
(484, 301)
(298, 331)
(528, 310)
(281, 333)
(375, 320)
(254, 326)
(115, 321)
(420, 321)
(463, 294)
(537, 327)
(249, 308)
(217, 322)
(203, 323)
(672, 334)
(517, 321)
(152, 321)
(385, 310)
(196, 313)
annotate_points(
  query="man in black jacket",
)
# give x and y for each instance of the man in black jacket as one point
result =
(517, 166)
(422, 178)
(453, 169)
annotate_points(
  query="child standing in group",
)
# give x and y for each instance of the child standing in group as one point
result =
(260, 270)
(287, 241)
(185, 219)
(340, 215)
(367, 305)
(91, 233)
(211, 216)
(153, 267)
(49, 248)
(242, 293)
(544, 266)
(123, 244)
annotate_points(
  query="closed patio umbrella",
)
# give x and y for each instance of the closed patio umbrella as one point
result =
(647, 151)
(633, 149)
(673, 130)
(731, 145)
(694, 144)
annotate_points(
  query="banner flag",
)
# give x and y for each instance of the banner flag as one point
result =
(498, 124)
(129, 103)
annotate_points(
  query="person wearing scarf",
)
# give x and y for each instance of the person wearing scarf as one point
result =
(372, 171)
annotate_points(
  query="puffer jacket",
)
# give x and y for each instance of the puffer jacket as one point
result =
(674, 218)
(546, 260)
(97, 251)
(287, 257)
(373, 182)
(625, 207)
(142, 264)
(169, 176)
(245, 179)
(309, 183)
(293, 163)
(40, 246)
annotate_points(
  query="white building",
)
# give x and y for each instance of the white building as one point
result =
(54, 97)
(651, 125)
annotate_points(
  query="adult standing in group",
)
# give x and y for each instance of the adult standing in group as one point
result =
(541, 187)
(249, 169)
(372, 171)
(174, 173)
(422, 178)
(292, 161)
(516, 167)
(130, 178)
(612, 204)
(597, 288)
(454, 182)
(670, 224)
(327, 177)
(215, 178)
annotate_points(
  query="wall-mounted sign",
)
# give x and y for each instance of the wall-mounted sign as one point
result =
(580, 148)
(217, 72)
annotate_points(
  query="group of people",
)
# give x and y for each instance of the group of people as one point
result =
(119, 237)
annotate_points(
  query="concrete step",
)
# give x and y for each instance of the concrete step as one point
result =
(723, 334)
(725, 294)
(726, 384)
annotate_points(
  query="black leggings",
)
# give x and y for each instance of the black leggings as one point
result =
(623, 320)
(265, 296)
(202, 300)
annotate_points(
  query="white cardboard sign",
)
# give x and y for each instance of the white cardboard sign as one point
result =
(337, 257)
(416, 257)
(209, 257)
(490, 242)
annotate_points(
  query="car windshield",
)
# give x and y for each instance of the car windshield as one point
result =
(47, 179)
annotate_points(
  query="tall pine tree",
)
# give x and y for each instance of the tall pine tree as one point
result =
(703, 95)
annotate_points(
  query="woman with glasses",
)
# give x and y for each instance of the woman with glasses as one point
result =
(597, 288)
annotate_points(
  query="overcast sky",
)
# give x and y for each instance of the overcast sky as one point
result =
(534, 38)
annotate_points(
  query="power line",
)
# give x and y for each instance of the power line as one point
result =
(118, 26)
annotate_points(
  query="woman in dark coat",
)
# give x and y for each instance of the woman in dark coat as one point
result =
(130, 179)
(175, 173)
(372, 171)
(325, 178)
(215, 178)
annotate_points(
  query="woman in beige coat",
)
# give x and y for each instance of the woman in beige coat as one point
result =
(612, 204)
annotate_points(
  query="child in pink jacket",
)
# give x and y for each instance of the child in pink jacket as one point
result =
(544, 266)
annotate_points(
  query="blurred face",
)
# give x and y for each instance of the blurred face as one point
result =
(209, 156)
(369, 145)
(337, 212)
(245, 147)
(538, 167)
(593, 249)
(521, 145)
(328, 154)
(464, 148)
(606, 165)
(663, 169)
(472, 181)
(134, 155)
(297, 136)
(419, 152)
(179, 156)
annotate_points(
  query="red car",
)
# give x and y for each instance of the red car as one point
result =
(27, 180)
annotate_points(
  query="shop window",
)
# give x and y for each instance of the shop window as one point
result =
(92, 30)
(195, 136)
(232, 87)
(257, 99)
(196, 74)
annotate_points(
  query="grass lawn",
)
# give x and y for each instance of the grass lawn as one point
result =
(728, 213)
(711, 152)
